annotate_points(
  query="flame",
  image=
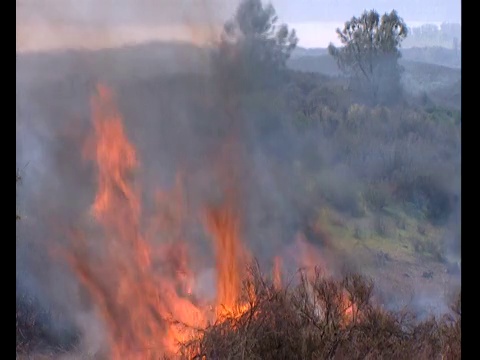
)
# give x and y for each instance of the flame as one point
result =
(277, 272)
(136, 300)
(223, 224)
(350, 311)
(143, 293)
(307, 257)
(223, 221)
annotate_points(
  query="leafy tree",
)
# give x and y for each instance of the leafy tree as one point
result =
(370, 53)
(253, 47)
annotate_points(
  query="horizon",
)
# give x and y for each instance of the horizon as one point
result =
(42, 37)
(91, 24)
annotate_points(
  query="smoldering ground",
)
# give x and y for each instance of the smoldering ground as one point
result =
(179, 113)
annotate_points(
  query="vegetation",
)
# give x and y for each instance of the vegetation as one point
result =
(254, 48)
(288, 324)
(446, 35)
(380, 173)
(370, 53)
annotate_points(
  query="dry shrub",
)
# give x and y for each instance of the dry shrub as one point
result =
(40, 329)
(315, 320)
(268, 329)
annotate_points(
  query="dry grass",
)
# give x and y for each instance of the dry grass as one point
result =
(312, 320)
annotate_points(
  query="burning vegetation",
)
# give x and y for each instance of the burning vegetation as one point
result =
(137, 271)
(246, 266)
(141, 287)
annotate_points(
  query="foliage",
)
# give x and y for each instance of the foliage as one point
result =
(370, 53)
(254, 49)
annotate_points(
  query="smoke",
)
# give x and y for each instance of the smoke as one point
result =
(53, 123)
(54, 24)
(179, 120)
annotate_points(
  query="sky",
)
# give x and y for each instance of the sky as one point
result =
(53, 24)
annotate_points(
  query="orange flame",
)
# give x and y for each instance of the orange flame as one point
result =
(136, 301)
(223, 221)
(144, 294)
(277, 272)
(224, 226)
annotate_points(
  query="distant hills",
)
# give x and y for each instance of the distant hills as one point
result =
(430, 69)
(140, 61)
(432, 55)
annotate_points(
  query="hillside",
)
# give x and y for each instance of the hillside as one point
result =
(441, 83)
(431, 55)
(423, 69)
(144, 60)
(153, 171)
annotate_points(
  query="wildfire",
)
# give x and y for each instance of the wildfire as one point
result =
(224, 226)
(136, 301)
(277, 272)
(143, 293)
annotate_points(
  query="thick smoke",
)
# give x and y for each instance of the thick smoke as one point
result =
(178, 118)
(52, 125)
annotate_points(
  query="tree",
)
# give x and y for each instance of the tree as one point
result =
(253, 46)
(370, 53)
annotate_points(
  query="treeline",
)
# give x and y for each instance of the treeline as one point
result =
(447, 35)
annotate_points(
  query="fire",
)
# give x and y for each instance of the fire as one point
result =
(136, 301)
(277, 272)
(349, 311)
(307, 256)
(223, 222)
(142, 292)
(224, 226)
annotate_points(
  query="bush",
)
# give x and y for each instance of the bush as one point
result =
(323, 317)
(342, 193)
(431, 247)
(383, 226)
(35, 328)
(376, 197)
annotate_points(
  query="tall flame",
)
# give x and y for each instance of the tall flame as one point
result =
(224, 226)
(277, 272)
(223, 221)
(136, 301)
(143, 293)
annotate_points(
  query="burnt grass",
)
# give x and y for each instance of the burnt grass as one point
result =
(309, 321)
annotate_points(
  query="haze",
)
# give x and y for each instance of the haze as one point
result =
(54, 24)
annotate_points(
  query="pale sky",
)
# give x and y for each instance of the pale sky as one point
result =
(53, 24)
